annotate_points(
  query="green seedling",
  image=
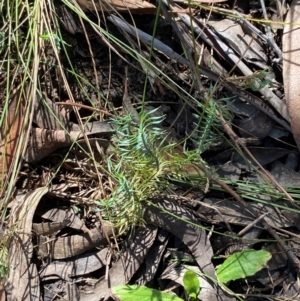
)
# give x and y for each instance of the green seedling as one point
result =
(57, 40)
(237, 266)
(134, 292)
(4, 264)
(242, 264)
(191, 284)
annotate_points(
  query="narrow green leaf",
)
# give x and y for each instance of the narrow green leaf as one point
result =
(242, 264)
(134, 292)
(191, 283)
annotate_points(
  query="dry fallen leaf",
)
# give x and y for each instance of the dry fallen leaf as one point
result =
(249, 47)
(10, 132)
(291, 68)
(43, 142)
(23, 281)
(77, 266)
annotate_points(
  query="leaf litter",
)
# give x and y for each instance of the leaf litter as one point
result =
(64, 246)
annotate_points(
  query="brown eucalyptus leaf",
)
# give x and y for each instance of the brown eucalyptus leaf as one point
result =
(11, 131)
(23, 280)
(48, 228)
(216, 211)
(77, 266)
(73, 245)
(284, 175)
(252, 122)
(244, 44)
(258, 125)
(291, 66)
(59, 215)
(149, 269)
(264, 155)
(47, 115)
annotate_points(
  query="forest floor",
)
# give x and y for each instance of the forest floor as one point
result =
(143, 140)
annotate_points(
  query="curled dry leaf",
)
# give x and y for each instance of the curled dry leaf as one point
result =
(291, 68)
(59, 216)
(23, 280)
(216, 211)
(239, 40)
(11, 131)
(44, 141)
(73, 245)
(47, 115)
(77, 266)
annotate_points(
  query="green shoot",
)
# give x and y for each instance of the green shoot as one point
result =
(134, 292)
(242, 264)
(191, 284)
(57, 40)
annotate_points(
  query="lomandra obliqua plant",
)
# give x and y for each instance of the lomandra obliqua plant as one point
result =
(139, 166)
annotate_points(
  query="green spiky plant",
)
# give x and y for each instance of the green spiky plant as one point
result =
(144, 158)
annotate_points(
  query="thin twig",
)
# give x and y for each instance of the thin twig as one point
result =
(74, 104)
(248, 227)
(270, 35)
